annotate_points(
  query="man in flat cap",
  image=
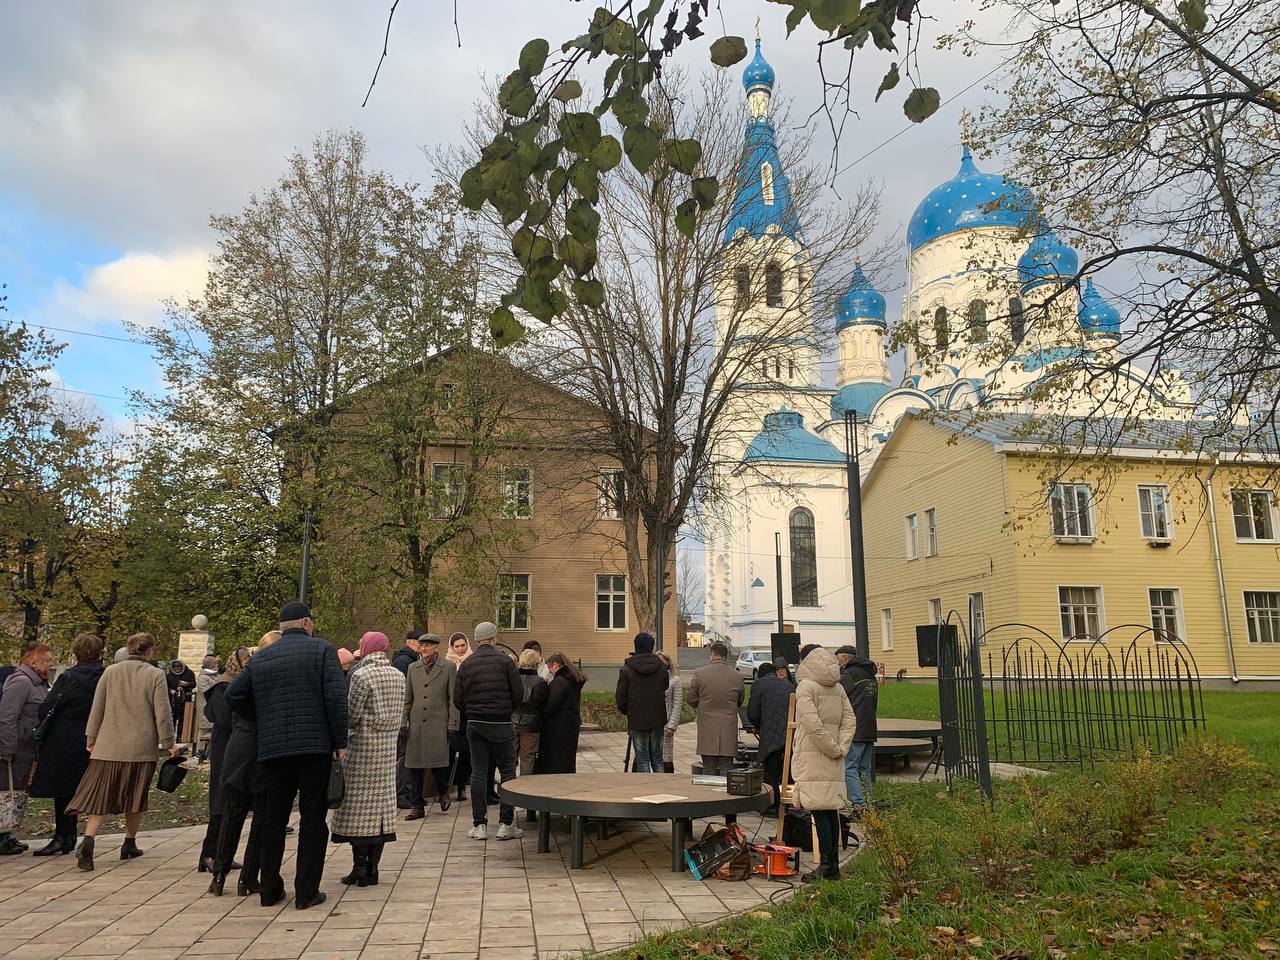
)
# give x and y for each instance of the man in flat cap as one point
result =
(297, 691)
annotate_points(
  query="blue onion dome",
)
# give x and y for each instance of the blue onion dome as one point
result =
(1097, 317)
(1047, 260)
(858, 397)
(969, 200)
(861, 302)
(784, 437)
(758, 72)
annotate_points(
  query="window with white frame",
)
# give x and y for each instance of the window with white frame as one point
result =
(931, 532)
(1253, 514)
(1081, 609)
(1262, 614)
(610, 493)
(513, 601)
(913, 536)
(935, 610)
(517, 492)
(446, 480)
(611, 601)
(1153, 511)
(1072, 507)
(1166, 613)
(978, 617)
(886, 629)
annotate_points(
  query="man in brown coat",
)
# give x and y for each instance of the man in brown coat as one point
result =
(716, 694)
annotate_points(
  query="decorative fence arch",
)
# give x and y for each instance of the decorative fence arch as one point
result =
(1018, 695)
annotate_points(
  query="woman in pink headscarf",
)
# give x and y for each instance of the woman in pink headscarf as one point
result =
(367, 817)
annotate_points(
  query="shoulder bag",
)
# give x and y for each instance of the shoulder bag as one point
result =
(337, 785)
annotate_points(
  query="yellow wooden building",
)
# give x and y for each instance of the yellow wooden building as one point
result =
(1005, 521)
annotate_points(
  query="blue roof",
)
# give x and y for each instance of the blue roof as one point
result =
(969, 199)
(1031, 362)
(758, 72)
(861, 302)
(1047, 260)
(785, 438)
(1097, 317)
(858, 397)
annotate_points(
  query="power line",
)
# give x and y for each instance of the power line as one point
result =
(912, 126)
(78, 333)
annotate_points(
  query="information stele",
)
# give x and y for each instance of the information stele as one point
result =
(194, 646)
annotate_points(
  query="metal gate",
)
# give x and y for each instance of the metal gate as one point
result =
(1017, 695)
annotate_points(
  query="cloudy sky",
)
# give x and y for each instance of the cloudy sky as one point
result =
(123, 126)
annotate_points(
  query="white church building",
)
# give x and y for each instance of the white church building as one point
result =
(994, 310)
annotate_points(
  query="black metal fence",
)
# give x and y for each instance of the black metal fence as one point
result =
(1017, 695)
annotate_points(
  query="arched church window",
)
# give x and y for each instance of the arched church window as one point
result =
(941, 335)
(766, 183)
(977, 321)
(742, 284)
(777, 368)
(1017, 321)
(791, 369)
(772, 284)
(804, 559)
(764, 369)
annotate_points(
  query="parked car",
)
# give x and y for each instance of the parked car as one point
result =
(749, 662)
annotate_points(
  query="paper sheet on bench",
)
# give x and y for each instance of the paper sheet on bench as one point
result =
(660, 798)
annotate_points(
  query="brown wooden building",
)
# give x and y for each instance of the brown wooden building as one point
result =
(546, 558)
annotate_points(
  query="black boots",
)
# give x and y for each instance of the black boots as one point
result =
(219, 879)
(372, 858)
(129, 849)
(417, 813)
(828, 869)
(56, 847)
(445, 802)
(360, 865)
(84, 859)
(246, 887)
(10, 846)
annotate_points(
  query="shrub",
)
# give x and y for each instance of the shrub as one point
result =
(999, 844)
(1070, 816)
(898, 846)
(1136, 787)
(1204, 766)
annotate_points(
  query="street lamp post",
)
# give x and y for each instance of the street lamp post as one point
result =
(856, 553)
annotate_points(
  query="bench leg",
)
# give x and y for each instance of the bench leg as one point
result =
(544, 831)
(678, 835)
(576, 839)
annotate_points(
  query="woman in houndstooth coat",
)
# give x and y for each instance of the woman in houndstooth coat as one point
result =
(367, 817)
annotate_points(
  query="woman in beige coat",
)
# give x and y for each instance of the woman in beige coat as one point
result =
(129, 724)
(824, 730)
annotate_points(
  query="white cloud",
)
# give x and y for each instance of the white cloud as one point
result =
(128, 290)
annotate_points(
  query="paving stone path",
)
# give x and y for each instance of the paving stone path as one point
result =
(442, 895)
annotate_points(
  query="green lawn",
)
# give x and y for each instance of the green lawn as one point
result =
(1155, 858)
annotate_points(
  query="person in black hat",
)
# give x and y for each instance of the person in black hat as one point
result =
(298, 693)
(767, 712)
(641, 697)
(405, 658)
(858, 680)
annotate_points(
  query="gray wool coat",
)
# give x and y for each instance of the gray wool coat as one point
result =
(715, 693)
(374, 706)
(430, 714)
(24, 691)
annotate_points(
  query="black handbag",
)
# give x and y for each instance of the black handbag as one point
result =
(337, 785)
(172, 773)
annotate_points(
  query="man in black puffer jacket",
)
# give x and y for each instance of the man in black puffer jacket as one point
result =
(297, 691)
(767, 711)
(858, 680)
(641, 698)
(488, 689)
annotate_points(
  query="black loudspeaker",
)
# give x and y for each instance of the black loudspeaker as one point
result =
(785, 645)
(929, 637)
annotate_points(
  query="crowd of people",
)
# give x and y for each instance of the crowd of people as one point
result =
(405, 729)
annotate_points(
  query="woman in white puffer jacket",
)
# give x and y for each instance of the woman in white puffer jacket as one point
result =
(824, 729)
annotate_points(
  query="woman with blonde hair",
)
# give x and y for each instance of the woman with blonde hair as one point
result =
(129, 722)
(675, 704)
(240, 789)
